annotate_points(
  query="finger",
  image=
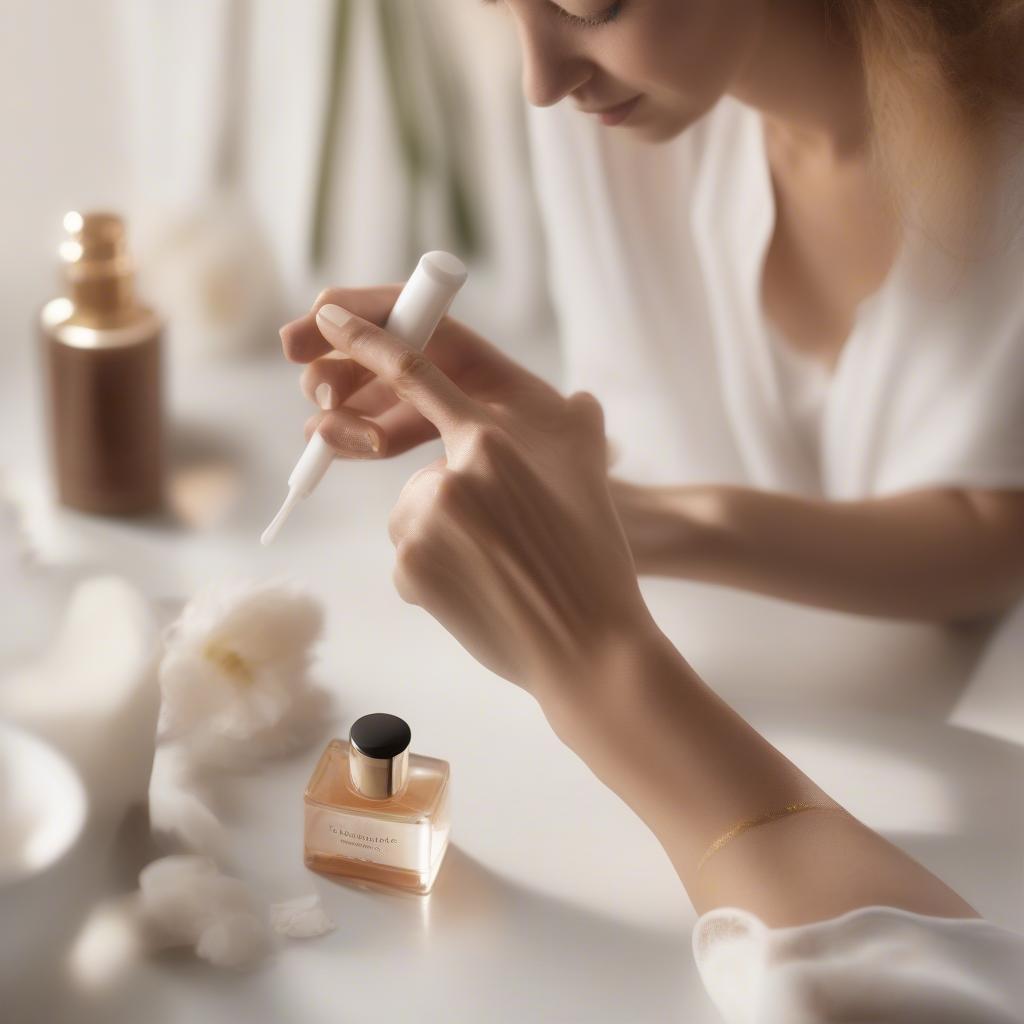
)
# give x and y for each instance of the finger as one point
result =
(351, 436)
(373, 304)
(303, 342)
(374, 399)
(400, 430)
(403, 428)
(331, 381)
(334, 381)
(409, 373)
(395, 432)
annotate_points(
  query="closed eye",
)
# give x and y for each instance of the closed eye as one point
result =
(609, 14)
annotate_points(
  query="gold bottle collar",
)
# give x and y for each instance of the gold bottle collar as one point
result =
(377, 778)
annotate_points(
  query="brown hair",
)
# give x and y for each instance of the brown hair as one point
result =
(944, 77)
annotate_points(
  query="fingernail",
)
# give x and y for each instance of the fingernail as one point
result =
(361, 441)
(334, 315)
(324, 395)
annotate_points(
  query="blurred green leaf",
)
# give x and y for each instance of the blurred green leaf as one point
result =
(328, 137)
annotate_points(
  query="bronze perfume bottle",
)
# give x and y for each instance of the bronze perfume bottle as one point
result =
(376, 813)
(102, 359)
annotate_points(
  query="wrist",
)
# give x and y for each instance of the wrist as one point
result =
(675, 531)
(624, 669)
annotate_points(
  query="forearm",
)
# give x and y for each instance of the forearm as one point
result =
(934, 555)
(692, 769)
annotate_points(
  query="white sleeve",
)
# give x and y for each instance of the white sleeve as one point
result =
(956, 417)
(877, 964)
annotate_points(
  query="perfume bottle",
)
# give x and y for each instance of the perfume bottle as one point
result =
(102, 351)
(376, 813)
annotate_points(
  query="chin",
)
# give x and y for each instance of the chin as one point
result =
(664, 126)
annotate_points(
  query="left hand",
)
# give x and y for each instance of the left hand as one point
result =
(511, 540)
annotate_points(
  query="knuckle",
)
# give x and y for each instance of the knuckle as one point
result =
(410, 365)
(359, 334)
(587, 407)
(487, 441)
(412, 556)
(330, 296)
(404, 585)
(449, 493)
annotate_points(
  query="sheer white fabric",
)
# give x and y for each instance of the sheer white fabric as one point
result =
(877, 964)
(655, 259)
(803, 390)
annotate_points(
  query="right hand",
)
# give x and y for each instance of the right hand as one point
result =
(510, 540)
(366, 420)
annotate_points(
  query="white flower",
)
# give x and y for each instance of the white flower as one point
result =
(235, 672)
(186, 901)
(211, 265)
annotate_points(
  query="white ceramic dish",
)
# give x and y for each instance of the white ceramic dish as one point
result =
(42, 806)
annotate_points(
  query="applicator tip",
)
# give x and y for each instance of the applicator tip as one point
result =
(278, 521)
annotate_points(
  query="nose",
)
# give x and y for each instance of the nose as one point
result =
(550, 70)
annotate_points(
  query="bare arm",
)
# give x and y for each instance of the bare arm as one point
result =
(513, 543)
(653, 732)
(932, 555)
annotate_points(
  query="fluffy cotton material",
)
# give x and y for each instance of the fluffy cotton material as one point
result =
(236, 687)
(186, 901)
(235, 673)
(178, 809)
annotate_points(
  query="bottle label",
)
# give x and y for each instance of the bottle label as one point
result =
(392, 844)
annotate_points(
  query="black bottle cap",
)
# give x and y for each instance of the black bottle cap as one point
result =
(380, 735)
(378, 763)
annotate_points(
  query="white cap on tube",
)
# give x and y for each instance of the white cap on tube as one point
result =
(417, 311)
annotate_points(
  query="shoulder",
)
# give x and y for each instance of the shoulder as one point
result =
(978, 267)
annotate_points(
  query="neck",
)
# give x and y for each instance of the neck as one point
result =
(805, 75)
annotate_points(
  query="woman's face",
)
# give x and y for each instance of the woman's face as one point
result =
(652, 66)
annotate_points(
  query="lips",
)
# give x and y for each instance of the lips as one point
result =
(617, 114)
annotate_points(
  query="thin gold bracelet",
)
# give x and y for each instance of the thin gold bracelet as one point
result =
(763, 819)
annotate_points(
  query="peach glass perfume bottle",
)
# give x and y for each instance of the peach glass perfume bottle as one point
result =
(376, 813)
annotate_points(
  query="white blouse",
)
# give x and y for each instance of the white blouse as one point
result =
(655, 257)
(803, 384)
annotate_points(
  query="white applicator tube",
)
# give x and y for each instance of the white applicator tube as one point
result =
(418, 310)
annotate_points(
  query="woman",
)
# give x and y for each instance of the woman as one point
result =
(747, 280)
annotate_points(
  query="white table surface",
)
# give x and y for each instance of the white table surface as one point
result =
(555, 903)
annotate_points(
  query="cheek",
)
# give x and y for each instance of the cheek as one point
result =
(687, 53)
